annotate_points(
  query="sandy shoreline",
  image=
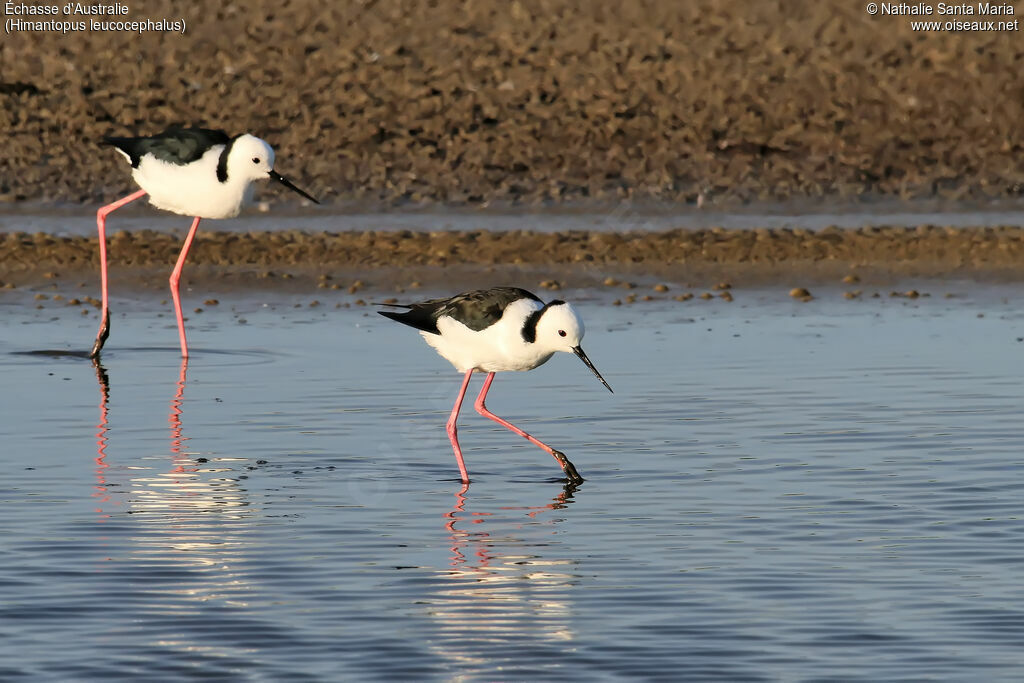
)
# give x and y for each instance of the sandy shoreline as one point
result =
(398, 260)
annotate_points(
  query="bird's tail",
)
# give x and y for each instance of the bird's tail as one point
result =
(411, 317)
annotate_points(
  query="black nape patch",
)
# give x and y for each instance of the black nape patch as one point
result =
(529, 331)
(222, 162)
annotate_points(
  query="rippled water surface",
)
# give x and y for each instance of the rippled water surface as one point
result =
(776, 491)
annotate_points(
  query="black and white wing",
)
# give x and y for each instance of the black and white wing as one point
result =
(176, 145)
(477, 310)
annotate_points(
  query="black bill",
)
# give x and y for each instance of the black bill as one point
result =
(578, 350)
(274, 175)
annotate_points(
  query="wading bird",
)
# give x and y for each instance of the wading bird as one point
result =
(193, 172)
(497, 330)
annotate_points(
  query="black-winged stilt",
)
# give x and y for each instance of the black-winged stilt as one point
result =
(193, 172)
(496, 330)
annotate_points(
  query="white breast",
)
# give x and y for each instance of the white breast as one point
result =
(191, 189)
(498, 348)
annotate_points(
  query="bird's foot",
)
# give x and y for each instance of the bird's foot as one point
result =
(567, 467)
(101, 336)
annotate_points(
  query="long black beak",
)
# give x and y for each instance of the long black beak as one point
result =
(578, 350)
(274, 175)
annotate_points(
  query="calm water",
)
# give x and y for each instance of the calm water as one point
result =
(807, 214)
(776, 491)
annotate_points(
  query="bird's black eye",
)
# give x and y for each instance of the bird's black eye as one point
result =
(255, 160)
(561, 333)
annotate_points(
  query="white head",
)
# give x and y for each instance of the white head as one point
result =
(252, 159)
(559, 328)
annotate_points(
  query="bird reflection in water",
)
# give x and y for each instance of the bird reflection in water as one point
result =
(102, 493)
(505, 583)
(189, 514)
(174, 417)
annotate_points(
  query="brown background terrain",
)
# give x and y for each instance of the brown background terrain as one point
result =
(394, 260)
(531, 100)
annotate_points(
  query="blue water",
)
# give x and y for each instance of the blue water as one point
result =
(624, 216)
(776, 491)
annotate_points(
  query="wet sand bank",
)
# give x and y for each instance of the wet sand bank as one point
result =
(294, 261)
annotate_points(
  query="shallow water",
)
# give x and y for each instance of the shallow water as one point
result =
(776, 491)
(805, 214)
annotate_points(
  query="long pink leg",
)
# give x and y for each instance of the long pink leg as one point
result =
(453, 430)
(101, 224)
(175, 277)
(568, 467)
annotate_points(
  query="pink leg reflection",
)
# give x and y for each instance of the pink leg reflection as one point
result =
(102, 493)
(174, 417)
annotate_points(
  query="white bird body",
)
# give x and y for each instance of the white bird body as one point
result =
(193, 189)
(497, 348)
(214, 181)
(197, 172)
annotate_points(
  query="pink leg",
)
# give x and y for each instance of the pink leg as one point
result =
(101, 224)
(568, 467)
(175, 277)
(453, 430)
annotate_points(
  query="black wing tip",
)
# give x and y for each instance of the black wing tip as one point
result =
(411, 319)
(127, 146)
